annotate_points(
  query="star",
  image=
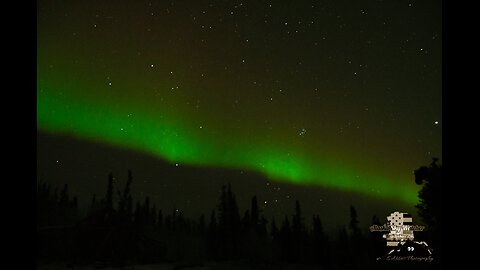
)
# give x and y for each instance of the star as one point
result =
(262, 136)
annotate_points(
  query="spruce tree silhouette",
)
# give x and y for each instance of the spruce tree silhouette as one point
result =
(125, 199)
(109, 196)
(212, 237)
(106, 246)
(356, 251)
(320, 245)
(43, 204)
(298, 233)
(353, 225)
(254, 212)
(107, 234)
(430, 206)
(56, 221)
(254, 239)
(229, 224)
(286, 241)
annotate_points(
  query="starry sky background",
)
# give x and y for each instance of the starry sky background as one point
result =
(329, 102)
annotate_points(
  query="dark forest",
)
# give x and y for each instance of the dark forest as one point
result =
(118, 231)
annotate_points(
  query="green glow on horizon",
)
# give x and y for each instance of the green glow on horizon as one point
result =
(165, 136)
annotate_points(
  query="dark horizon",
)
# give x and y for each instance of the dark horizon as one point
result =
(169, 187)
(121, 230)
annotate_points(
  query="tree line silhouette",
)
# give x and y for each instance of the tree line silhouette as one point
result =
(124, 233)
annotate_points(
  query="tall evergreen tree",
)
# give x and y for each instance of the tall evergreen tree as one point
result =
(430, 206)
(212, 240)
(233, 210)
(320, 242)
(109, 195)
(356, 232)
(254, 211)
(223, 207)
(229, 223)
(298, 225)
(286, 240)
(124, 203)
(298, 233)
(357, 253)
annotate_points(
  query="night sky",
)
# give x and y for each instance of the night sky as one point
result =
(329, 102)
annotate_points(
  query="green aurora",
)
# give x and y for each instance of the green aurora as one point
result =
(342, 95)
(171, 139)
